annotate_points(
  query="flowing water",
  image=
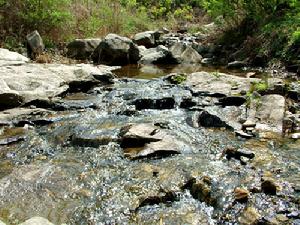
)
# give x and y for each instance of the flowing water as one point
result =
(70, 167)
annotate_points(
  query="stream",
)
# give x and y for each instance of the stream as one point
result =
(77, 166)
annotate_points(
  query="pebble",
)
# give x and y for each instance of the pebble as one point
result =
(241, 194)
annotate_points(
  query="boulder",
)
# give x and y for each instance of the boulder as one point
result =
(185, 54)
(116, 50)
(158, 55)
(146, 39)
(82, 48)
(11, 58)
(35, 44)
(37, 221)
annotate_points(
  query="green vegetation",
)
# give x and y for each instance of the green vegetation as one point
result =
(269, 29)
(216, 74)
(178, 78)
(62, 20)
(265, 28)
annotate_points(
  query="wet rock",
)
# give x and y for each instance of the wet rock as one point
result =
(105, 77)
(146, 39)
(202, 190)
(35, 44)
(241, 195)
(163, 103)
(94, 138)
(158, 55)
(236, 65)
(232, 152)
(37, 221)
(232, 101)
(11, 58)
(214, 116)
(187, 103)
(249, 216)
(146, 140)
(185, 54)
(116, 50)
(12, 135)
(82, 48)
(33, 188)
(268, 186)
(209, 120)
(165, 198)
(294, 91)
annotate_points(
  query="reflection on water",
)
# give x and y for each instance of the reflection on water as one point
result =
(155, 71)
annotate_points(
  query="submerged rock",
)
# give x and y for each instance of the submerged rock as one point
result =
(249, 216)
(163, 103)
(268, 186)
(115, 50)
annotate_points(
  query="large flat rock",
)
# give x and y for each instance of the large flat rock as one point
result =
(28, 82)
(11, 58)
(219, 83)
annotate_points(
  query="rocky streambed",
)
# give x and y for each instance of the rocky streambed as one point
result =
(80, 146)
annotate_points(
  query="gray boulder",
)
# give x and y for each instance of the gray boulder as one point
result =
(116, 50)
(185, 54)
(82, 48)
(35, 44)
(146, 39)
(158, 55)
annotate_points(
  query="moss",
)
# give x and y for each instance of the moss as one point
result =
(178, 78)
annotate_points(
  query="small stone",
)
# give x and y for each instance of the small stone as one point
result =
(249, 123)
(282, 218)
(268, 186)
(37, 221)
(241, 194)
(296, 136)
(250, 216)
